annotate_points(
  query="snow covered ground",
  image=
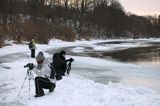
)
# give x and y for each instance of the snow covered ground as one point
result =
(73, 90)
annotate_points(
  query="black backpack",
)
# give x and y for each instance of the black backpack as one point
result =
(30, 45)
(54, 65)
(53, 73)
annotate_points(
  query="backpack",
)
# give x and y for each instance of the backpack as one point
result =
(56, 60)
(54, 66)
(30, 45)
(53, 73)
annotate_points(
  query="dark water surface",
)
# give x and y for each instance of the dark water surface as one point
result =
(140, 54)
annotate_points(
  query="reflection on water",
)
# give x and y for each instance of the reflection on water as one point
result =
(141, 54)
(150, 83)
(149, 54)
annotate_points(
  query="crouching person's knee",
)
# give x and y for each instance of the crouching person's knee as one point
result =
(52, 87)
(58, 77)
(37, 79)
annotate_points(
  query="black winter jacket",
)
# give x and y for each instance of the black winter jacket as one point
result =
(59, 63)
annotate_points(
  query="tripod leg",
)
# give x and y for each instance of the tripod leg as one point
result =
(22, 85)
(32, 77)
(29, 90)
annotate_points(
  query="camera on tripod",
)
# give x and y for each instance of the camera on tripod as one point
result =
(30, 66)
(29, 75)
(71, 59)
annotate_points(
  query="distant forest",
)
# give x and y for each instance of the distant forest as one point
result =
(72, 19)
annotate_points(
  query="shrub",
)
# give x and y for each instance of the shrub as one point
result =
(1, 40)
(65, 33)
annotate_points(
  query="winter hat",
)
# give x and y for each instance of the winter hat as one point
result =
(40, 57)
(62, 52)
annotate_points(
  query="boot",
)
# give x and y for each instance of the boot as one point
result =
(38, 95)
(52, 88)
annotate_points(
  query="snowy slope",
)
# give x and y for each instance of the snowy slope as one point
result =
(74, 91)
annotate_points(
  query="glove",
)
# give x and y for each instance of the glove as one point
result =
(31, 67)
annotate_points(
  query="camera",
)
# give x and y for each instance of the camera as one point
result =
(29, 65)
(71, 59)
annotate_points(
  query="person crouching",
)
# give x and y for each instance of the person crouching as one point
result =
(43, 80)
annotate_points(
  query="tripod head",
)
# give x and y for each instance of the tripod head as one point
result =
(30, 66)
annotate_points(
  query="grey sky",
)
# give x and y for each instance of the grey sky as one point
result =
(141, 7)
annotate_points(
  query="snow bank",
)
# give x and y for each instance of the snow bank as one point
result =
(72, 91)
(78, 92)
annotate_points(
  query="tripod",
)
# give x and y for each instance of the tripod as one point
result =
(29, 75)
(68, 68)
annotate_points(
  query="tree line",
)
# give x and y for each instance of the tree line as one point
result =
(72, 19)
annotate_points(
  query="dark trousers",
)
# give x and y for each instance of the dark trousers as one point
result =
(58, 77)
(40, 83)
(33, 53)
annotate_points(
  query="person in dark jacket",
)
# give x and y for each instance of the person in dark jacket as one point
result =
(60, 64)
(32, 47)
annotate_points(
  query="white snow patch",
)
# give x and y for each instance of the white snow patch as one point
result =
(78, 49)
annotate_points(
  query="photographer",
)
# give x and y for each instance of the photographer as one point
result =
(32, 47)
(43, 79)
(60, 64)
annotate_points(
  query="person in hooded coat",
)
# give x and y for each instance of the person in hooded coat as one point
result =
(43, 80)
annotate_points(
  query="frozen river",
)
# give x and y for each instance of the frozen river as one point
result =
(133, 62)
(122, 62)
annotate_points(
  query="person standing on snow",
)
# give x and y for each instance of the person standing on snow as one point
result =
(32, 47)
(60, 64)
(43, 79)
